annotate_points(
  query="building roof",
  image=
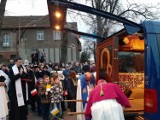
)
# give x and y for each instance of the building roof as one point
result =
(14, 22)
(25, 21)
(32, 22)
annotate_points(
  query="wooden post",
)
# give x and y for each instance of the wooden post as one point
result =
(75, 101)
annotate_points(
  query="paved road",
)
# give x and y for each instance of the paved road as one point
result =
(34, 116)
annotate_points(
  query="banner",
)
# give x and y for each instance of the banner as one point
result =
(48, 87)
(34, 92)
(55, 111)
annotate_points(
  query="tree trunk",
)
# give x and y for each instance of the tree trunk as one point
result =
(2, 11)
(64, 47)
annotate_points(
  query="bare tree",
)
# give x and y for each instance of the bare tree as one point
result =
(2, 11)
(85, 56)
(90, 46)
(132, 11)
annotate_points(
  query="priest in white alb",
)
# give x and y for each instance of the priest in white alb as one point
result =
(85, 84)
(4, 81)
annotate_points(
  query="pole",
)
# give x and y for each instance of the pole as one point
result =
(94, 52)
(19, 39)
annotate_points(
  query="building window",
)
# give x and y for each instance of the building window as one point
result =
(6, 40)
(40, 35)
(56, 35)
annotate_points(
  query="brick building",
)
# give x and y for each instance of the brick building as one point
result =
(21, 35)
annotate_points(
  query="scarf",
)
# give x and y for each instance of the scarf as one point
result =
(18, 87)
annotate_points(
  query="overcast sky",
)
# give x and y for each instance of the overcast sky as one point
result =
(26, 7)
(39, 7)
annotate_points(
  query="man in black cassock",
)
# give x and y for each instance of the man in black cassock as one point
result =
(18, 91)
(32, 86)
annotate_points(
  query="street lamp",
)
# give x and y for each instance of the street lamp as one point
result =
(57, 27)
(57, 15)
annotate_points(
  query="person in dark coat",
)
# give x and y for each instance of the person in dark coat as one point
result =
(18, 91)
(33, 57)
(45, 71)
(77, 68)
(56, 67)
(5, 69)
(44, 94)
(11, 63)
(37, 72)
(40, 81)
(37, 55)
(72, 89)
(32, 86)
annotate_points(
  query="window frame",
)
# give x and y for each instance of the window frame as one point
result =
(40, 35)
(6, 40)
(57, 35)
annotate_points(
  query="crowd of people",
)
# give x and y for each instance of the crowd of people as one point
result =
(37, 56)
(23, 79)
(45, 86)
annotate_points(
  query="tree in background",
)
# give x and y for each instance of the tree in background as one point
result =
(90, 47)
(104, 27)
(85, 56)
(133, 11)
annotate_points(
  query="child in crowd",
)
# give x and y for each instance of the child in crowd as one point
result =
(57, 95)
(52, 82)
(45, 97)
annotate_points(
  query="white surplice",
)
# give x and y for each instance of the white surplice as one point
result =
(108, 109)
(3, 97)
(3, 102)
(79, 105)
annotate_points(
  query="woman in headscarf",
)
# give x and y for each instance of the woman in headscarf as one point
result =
(72, 89)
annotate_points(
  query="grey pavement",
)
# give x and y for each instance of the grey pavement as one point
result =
(34, 116)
